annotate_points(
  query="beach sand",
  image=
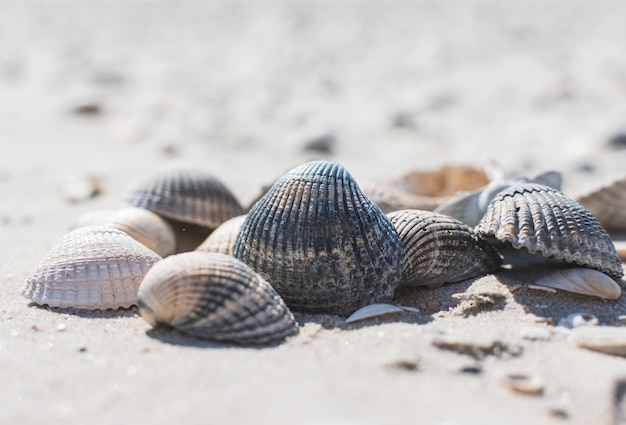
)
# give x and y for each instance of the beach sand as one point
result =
(101, 95)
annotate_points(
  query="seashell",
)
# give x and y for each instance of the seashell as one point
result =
(471, 207)
(576, 320)
(374, 310)
(440, 249)
(142, 225)
(582, 281)
(608, 205)
(322, 244)
(186, 194)
(545, 220)
(215, 297)
(223, 238)
(92, 267)
(605, 339)
(524, 384)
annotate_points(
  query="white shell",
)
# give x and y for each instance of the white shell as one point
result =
(576, 320)
(606, 339)
(582, 281)
(373, 310)
(143, 225)
(523, 383)
(92, 267)
(223, 238)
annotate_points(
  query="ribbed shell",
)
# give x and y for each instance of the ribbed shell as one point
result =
(608, 205)
(323, 245)
(440, 249)
(215, 297)
(223, 238)
(542, 219)
(388, 197)
(187, 194)
(143, 225)
(91, 268)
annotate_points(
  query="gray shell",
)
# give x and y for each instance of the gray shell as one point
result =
(188, 195)
(143, 225)
(216, 297)
(322, 244)
(545, 220)
(91, 268)
(440, 249)
(223, 238)
(608, 205)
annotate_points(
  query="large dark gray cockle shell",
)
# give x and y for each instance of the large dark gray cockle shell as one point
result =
(440, 249)
(322, 244)
(545, 220)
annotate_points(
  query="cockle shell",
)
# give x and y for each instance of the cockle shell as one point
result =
(545, 220)
(322, 244)
(215, 297)
(608, 205)
(469, 207)
(582, 281)
(187, 194)
(223, 238)
(92, 267)
(143, 225)
(440, 249)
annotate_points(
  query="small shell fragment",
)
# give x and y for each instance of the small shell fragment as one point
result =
(216, 297)
(524, 384)
(582, 281)
(374, 310)
(605, 339)
(542, 219)
(92, 267)
(576, 320)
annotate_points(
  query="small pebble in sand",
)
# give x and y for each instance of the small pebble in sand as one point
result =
(409, 365)
(82, 350)
(35, 327)
(61, 327)
(88, 108)
(432, 306)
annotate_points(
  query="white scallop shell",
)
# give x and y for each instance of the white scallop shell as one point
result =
(143, 225)
(582, 281)
(92, 267)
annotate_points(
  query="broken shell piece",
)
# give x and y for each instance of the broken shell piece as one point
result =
(143, 225)
(223, 238)
(582, 281)
(92, 267)
(605, 339)
(608, 205)
(524, 384)
(215, 297)
(576, 320)
(538, 218)
(373, 310)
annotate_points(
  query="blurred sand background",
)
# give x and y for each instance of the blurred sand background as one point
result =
(110, 91)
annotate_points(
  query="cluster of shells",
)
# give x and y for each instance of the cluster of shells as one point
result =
(190, 257)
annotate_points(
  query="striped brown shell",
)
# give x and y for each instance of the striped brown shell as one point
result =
(143, 225)
(320, 242)
(216, 297)
(545, 220)
(440, 249)
(223, 238)
(92, 267)
(608, 205)
(186, 194)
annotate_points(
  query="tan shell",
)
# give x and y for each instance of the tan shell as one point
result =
(582, 281)
(215, 297)
(541, 219)
(608, 205)
(440, 249)
(223, 238)
(186, 194)
(143, 225)
(605, 339)
(323, 245)
(92, 267)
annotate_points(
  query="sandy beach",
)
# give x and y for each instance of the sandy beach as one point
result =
(94, 98)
